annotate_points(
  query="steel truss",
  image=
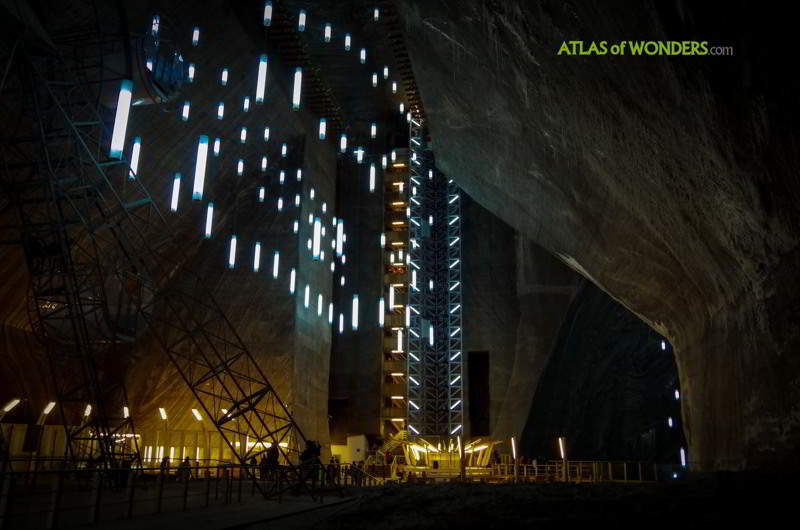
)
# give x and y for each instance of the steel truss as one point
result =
(105, 270)
(435, 385)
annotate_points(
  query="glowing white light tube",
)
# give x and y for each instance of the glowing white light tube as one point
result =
(257, 257)
(209, 219)
(121, 118)
(261, 83)
(339, 237)
(232, 253)
(200, 168)
(137, 145)
(267, 13)
(176, 190)
(298, 84)
(317, 238)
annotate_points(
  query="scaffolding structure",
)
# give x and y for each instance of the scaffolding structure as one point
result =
(435, 386)
(105, 268)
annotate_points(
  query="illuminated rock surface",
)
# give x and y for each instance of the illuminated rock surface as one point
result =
(668, 181)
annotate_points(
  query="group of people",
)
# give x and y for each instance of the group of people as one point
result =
(184, 470)
(268, 468)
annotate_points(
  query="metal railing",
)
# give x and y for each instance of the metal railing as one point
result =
(579, 471)
(47, 498)
(358, 476)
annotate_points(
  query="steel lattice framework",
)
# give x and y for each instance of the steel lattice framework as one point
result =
(105, 268)
(435, 385)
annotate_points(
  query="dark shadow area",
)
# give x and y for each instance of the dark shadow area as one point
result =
(609, 388)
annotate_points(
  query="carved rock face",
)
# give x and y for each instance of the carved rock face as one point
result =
(668, 181)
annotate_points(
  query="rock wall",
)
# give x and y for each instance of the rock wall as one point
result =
(608, 388)
(668, 181)
(289, 341)
(515, 298)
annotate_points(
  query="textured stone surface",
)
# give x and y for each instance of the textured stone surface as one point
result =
(290, 342)
(608, 388)
(668, 181)
(491, 308)
(515, 298)
(356, 356)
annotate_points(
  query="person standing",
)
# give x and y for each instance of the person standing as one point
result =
(165, 465)
(263, 467)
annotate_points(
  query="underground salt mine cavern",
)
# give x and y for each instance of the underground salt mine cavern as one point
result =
(398, 264)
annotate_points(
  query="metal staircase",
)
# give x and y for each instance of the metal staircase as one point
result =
(393, 443)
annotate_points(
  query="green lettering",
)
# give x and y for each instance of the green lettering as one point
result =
(636, 47)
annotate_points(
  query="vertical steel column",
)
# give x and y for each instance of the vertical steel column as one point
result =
(435, 385)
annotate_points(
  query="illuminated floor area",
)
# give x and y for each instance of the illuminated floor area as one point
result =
(697, 503)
